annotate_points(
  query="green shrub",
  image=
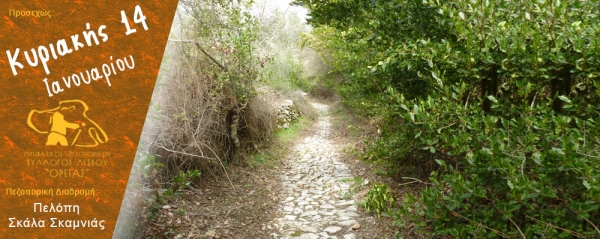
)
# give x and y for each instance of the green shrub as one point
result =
(379, 199)
(496, 100)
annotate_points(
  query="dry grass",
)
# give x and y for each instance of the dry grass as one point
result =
(194, 123)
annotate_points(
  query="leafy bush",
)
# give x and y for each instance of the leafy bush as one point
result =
(206, 111)
(496, 100)
(380, 199)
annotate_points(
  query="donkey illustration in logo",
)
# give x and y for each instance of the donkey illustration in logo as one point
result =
(65, 120)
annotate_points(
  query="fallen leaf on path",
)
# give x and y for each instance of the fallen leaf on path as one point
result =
(211, 234)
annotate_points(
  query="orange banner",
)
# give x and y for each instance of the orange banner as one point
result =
(77, 77)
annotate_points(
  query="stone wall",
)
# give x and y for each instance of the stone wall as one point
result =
(287, 113)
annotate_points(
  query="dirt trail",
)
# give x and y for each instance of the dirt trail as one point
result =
(314, 204)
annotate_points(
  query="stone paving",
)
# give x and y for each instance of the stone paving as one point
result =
(314, 184)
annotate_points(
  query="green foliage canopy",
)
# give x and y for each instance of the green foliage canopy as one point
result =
(502, 95)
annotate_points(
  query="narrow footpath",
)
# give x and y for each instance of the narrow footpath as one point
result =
(314, 204)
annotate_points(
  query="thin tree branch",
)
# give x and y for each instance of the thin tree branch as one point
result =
(481, 225)
(414, 181)
(187, 154)
(205, 53)
(588, 221)
(555, 227)
(513, 222)
(591, 223)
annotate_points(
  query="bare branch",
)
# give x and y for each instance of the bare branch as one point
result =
(187, 154)
(555, 227)
(523, 235)
(414, 181)
(203, 51)
(481, 225)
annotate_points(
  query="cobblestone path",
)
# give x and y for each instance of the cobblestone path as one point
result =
(314, 186)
